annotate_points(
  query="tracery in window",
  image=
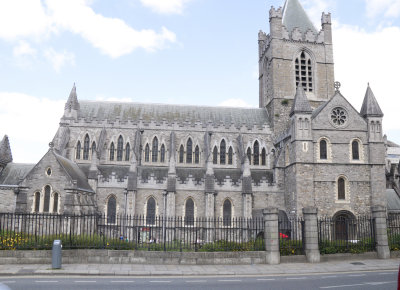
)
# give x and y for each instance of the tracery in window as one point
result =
(215, 155)
(341, 189)
(304, 72)
(323, 150)
(120, 148)
(197, 155)
(189, 212)
(355, 150)
(111, 209)
(189, 151)
(151, 211)
(46, 204)
(162, 153)
(249, 155)
(256, 153)
(181, 154)
(127, 151)
(147, 153)
(230, 156)
(37, 201)
(78, 150)
(263, 157)
(112, 151)
(86, 147)
(222, 152)
(227, 213)
(154, 151)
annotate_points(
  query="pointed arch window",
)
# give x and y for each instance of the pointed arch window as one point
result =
(263, 157)
(256, 151)
(197, 155)
(249, 155)
(55, 202)
(227, 213)
(147, 153)
(304, 71)
(46, 204)
(151, 211)
(230, 156)
(355, 150)
(37, 201)
(189, 151)
(222, 152)
(154, 151)
(215, 155)
(93, 147)
(189, 212)
(112, 151)
(120, 148)
(323, 150)
(181, 154)
(341, 189)
(127, 152)
(162, 154)
(78, 150)
(111, 210)
(86, 147)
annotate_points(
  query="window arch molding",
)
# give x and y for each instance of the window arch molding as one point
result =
(342, 189)
(353, 150)
(320, 150)
(304, 73)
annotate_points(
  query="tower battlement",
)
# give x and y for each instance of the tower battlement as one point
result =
(275, 13)
(326, 18)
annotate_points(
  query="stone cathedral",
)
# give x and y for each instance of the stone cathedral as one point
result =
(305, 145)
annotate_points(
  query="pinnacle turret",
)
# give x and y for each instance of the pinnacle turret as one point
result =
(301, 103)
(370, 106)
(72, 103)
(5, 151)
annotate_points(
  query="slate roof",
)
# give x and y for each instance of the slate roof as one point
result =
(14, 173)
(370, 106)
(295, 16)
(301, 103)
(5, 151)
(74, 172)
(393, 200)
(170, 113)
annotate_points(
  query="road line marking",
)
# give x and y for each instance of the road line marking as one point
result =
(296, 278)
(85, 281)
(160, 281)
(357, 275)
(380, 283)
(196, 281)
(122, 281)
(385, 273)
(265, 279)
(39, 281)
(339, 286)
(326, 277)
(7, 282)
(229, 280)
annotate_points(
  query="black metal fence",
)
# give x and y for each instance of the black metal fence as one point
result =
(346, 235)
(393, 229)
(37, 231)
(291, 236)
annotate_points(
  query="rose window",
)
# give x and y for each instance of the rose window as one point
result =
(338, 116)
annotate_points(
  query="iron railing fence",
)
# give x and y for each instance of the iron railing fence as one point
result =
(346, 235)
(37, 231)
(393, 230)
(291, 236)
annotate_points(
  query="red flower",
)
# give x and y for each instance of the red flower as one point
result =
(283, 236)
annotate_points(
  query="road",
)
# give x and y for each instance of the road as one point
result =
(353, 280)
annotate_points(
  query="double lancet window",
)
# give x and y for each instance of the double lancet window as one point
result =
(46, 200)
(304, 71)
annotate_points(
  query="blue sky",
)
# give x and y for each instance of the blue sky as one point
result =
(200, 52)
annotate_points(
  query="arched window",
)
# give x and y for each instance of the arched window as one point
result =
(93, 147)
(355, 150)
(154, 150)
(197, 155)
(151, 211)
(147, 153)
(323, 150)
(230, 156)
(127, 152)
(120, 148)
(37, 201)
(189, 151)
(256, 155)
(304, 71)
(112, 150)
(111, 210)
(55, 202)
(78, 150)
(181, 154)
(249, 155)
(162, 153)
(86, 147)
(341, 189)
(46, 204)
(222, 152)
(263, 157)
(215, 155)
(189, 212)
(227, 213)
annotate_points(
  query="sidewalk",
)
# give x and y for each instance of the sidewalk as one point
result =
(201, 270)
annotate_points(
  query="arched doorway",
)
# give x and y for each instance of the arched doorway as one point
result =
(344, 225)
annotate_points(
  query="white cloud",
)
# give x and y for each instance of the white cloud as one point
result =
(166, 6)
(41, 19)
(24, 49)
(389, 8)
(59, 59)
(314, 9)
(235, 103)
(34, 123)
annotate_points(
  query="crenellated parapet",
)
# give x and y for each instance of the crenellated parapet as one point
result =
(326, 18)
(275, 13)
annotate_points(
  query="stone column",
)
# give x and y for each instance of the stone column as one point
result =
(310, 238)
(271, 235)
(210, 216)
(380, 227)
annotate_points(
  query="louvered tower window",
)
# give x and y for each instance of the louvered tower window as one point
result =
(304, 72)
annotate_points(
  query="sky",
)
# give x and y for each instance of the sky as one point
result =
(196, 52)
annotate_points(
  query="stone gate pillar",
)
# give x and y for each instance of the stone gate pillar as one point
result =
(271, 235)
(310, 238)
(380, 229)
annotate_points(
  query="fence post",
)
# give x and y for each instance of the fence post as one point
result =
(310, 238)
(380, 230)
(271, 235)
